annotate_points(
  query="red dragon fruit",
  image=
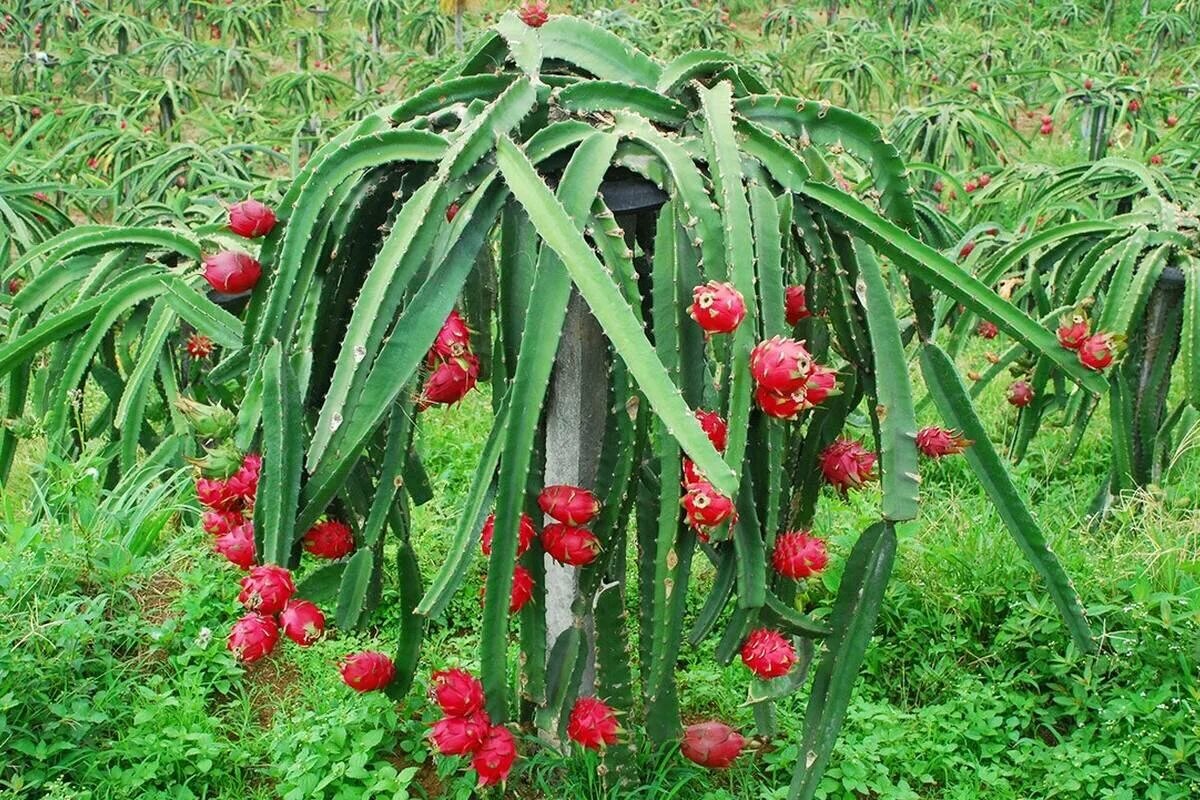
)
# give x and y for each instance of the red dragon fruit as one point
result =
(795, 304)
(457, 692)
(572, 505)
(987, 330)
(267, 589)
(780, 405)
(534, 13)
(243, 484)
(453, 340)
(592, 724)
(367, 670)
(692, 473)
(704, 506)
(522, 589)
(460, 735)
(1097, 351)
(717, 307)
(569, 545)
(821, 382)
(1073, 330)
(199, 346)
(330, 538)
(450, 381)
(798, 555)
(780, 364)
(936, 442)
(525, 534)
(231, 272)
(252, 637)
(302, 621)
(714, 427)
(214, 493)
(251, 219)
(237, 545)
(711, 744)
(494, 758)
(220, 522)
(451, 212)
(1020, 394)
(768, 653)
(846, 464)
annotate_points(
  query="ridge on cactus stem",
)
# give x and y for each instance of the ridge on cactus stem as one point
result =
(199, 346)
(267, 589)
(936, 442)
(987, 329)
(461, 734)
(1098, 351)
(450, 381)
(330, 539)
(219, 522)
(1020, 394)
(253, 637)
(846, 464)
(575, 547)
(714, 427)
(251, 219)
(457, 692)
(367, 670)
(522, 589)
(704, 506)
(302, 621)
(534, 13)
(768, 654)
(572, 505)
(525, 534)
(592, 723)
(237, 545)
(1073, 330)
(495, 756)
(453, 340)
(780, 364)
(717, 307)
(232, 272)
(798, 555)
(795, 304)
(711, 744)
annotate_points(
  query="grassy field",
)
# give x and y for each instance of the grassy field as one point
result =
(114, 680)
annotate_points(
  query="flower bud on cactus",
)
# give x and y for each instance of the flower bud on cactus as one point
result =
(1073, 330)
(570, 504)
(798, 554)
(936, 442)
(592, 724)
(525, 534)
(704, 506)
(267, 589)
(449, 382)
(1097, 351)
(252, 637)
(459, 735)
(220, 522)
(714, 427)
(208, 421)
(711, 744)
(522, 589)
(569, 545)
(987, 329)
(846, 464)
(367, 671)
(237, 545)
(199, 346)
(768, 653)
(780, 364)
(795, 304)
(230, 272)
(534, 13)
(302, 622)
(717, 307)
(221, 461)
(494, 758)
(1020, 394)
(251, 219)
(457, 692)
(453, 340)
(330, 538)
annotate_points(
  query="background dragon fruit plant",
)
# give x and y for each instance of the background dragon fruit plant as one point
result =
(485, 194)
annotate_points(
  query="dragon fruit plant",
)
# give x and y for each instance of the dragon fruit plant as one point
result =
(728, 420)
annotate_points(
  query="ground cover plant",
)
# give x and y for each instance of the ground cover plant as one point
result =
(336, 354)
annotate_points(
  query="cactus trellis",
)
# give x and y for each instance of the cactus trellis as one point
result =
(365, 267)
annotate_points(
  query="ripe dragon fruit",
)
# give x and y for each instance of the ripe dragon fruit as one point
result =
(231, 272)
(267, 589)
(459, 735)
(449, 382)
(717, 307)
(302, 621)
(251, 219)
(821, 382)
(214, 493)
(846, 464)
(534, 13)
(711, 744)
(780, 364)
(936, 442)
(780, 405)
(795, 304)
(367, 670)
(704, 506)
(572, 505)
(987, 330)
(592, 724)
(714, 427)
(1097, 351)
(525, 534)
(330, 538)
(575, 547)
(243, 484)
(1073, 330)
(237, 545)
(453, 340)
(798, 555)
(457, 692)
(1020, 394)
(691, 473)
(252, 637)
(522, 589)
(220, 522)
(494, 758)
(199, 346)
(767, 653)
